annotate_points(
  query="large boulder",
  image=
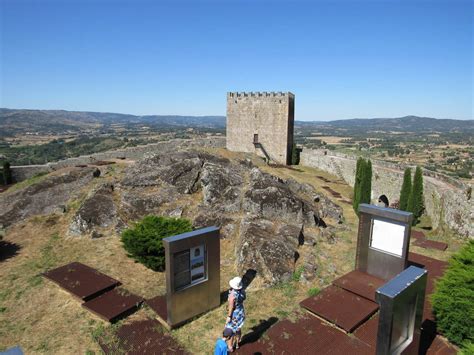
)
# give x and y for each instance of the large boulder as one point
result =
(97, 212)
(271, 198)
(221, 186)
(207, 218)
(180, 169)
(141, 201)
(269, 249)
(44, 197)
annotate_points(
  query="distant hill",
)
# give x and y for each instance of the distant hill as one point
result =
(401, 124)
(17, 121)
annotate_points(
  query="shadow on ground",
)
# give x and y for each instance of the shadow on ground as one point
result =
(428, 334)
(258, 330)
(8, 250)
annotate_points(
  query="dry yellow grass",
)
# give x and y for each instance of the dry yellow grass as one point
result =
(38, 316)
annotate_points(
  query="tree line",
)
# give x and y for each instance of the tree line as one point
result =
(411, 193)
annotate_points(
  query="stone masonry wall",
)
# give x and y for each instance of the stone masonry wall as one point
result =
(447, 200)
(20, 173)
(269, 115)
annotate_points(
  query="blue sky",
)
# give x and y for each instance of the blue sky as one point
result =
(342, 59)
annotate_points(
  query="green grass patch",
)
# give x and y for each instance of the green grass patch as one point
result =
(313, 291)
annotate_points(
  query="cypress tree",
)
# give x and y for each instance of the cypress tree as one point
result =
(360, 169)
(366, 183)
(295, 155)
(406, 190)
(415, 202)
(7, 173)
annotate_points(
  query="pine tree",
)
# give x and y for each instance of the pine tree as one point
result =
(415, 202)
(406, 190)
(360, 169)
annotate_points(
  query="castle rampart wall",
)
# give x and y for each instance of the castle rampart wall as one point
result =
(447, 201)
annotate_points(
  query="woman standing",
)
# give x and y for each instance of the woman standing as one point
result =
(236, 313)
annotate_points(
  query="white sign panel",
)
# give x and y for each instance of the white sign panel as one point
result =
(387, 237)
(197, 264)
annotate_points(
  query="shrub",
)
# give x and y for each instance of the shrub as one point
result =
(467, 349)
(452, 300)
(143, 241)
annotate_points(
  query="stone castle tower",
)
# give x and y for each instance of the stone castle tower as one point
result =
(261, 123)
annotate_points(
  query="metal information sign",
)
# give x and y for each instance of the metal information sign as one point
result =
(192, 274)
(401, 303)
(182, 272)
(382, 241)
(189, 267)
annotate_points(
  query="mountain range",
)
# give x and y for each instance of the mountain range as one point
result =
(22, 120)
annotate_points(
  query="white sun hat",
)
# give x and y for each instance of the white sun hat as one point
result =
(236, 283)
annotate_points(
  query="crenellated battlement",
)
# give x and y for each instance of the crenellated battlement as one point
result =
(260, 94)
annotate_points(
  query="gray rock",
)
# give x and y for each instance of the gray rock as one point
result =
(175, 213)
(96, 235)
(221, 186)
(97, 211)
(268, 249)
(207, 218)
(181, 169)
(271, 198)
(43, 197)
(138, 202)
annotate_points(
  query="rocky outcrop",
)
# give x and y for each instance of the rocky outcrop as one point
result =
(44, 197)
(222, 186)
(207, 217)
(273, 198)
(269, 249)
(264, 213)
(269, 218)
(139, 202)
(97, 212)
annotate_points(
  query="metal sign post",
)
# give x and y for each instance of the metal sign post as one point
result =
(383, 241)
(401, 303)
(192, 274)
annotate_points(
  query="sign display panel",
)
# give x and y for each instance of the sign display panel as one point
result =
(387, 237)
(182, 275)
(189, 267)
(197, 264)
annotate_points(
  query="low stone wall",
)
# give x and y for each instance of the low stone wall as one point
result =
(20, 173)
(447, 200)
